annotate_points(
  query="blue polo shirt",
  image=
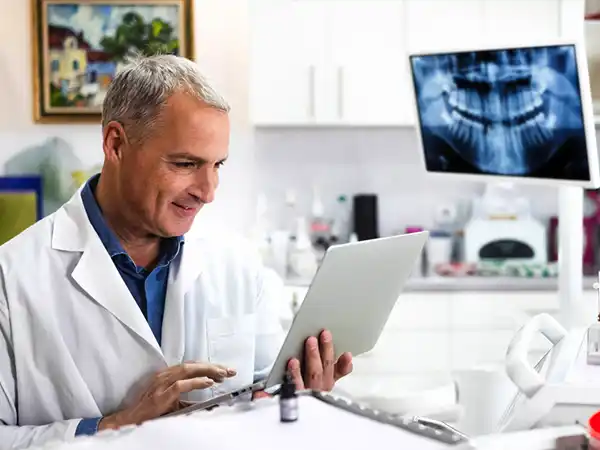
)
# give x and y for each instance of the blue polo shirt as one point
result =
(148, 287)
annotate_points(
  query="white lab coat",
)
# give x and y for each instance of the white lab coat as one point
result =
(74, 343)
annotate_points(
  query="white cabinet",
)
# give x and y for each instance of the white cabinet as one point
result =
(323, 62)
(435, 24)
(286, 50)
(517, 21)
(368, 56)
(571, 12)
(345, 62)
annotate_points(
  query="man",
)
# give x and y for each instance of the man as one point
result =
(108, 315)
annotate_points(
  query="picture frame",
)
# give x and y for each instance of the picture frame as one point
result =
(79, 46)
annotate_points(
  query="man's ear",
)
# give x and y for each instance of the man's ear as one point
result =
(114, 141)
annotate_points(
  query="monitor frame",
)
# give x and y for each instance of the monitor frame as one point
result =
(586, 106)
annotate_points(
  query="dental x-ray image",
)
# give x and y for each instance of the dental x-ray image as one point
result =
(510, 112)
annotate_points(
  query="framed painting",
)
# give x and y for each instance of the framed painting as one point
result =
(79, 46)
(592, 44)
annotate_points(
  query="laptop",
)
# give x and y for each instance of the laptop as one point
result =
(351, 295)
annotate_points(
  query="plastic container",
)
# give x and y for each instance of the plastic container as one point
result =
(340, 228)
(320, 229)
(302, 257)
(594, 432)
(439, 251)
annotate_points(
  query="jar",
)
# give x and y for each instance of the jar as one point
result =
(594, 432)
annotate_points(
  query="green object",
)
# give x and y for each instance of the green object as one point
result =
(18, 211)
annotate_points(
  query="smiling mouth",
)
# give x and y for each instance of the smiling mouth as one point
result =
(185, 208)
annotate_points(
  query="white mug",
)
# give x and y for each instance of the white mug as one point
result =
(484, 394)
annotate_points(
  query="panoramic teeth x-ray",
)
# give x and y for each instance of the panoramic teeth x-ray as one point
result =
(513, 112)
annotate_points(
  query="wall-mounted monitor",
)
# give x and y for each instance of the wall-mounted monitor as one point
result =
(508, 113)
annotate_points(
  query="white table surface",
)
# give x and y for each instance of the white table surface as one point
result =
(320, 426)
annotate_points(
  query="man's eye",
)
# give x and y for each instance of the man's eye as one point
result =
(220, 164)
(184, 165)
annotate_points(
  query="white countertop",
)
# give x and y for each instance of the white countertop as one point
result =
(473, 283)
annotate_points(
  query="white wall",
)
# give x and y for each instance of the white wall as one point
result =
(221, 48)
(384, 161)
(339, 160)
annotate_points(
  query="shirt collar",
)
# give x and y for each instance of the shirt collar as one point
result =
(169, 247)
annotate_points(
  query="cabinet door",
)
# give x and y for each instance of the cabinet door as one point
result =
(513, 21)
(368, 60)
(287, 47)
(435, 25)
(571, 25)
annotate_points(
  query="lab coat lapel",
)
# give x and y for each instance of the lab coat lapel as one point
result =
(97, 275)
(183, 272)
(95, 271)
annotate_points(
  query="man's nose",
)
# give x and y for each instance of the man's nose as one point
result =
(206, 185)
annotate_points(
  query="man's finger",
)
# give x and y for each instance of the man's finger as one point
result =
(343, 366)
(327, 359)
(296, 373)
(230, 372)
(169, 375)
(194, 370)
(313, 367)
(186, 385)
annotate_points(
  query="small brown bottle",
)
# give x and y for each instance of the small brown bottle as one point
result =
(288, 400)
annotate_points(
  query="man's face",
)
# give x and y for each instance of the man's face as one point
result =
(167, 179)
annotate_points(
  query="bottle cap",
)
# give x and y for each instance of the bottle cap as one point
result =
(288, 388)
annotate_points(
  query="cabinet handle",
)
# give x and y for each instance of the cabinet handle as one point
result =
(340, 84)
(311, 92)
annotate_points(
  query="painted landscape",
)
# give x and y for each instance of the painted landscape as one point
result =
(86, 45)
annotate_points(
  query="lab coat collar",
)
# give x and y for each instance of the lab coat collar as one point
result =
(97, 275)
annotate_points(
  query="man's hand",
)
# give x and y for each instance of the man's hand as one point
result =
(320, 371)
(162, 393)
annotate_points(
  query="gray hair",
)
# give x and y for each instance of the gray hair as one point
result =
(138, 93)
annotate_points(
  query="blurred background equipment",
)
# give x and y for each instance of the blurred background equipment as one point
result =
(55, 162)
